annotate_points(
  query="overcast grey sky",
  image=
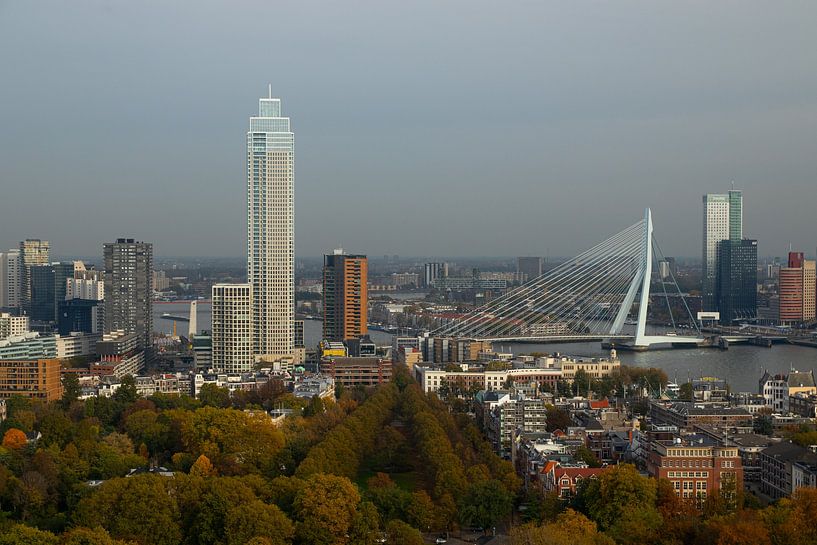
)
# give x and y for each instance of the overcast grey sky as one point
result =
(422, 127)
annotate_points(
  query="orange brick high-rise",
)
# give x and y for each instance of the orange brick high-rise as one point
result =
(345, 296)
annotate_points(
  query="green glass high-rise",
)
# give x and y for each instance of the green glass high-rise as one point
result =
(722, 220)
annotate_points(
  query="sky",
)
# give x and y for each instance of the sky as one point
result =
(427, 128)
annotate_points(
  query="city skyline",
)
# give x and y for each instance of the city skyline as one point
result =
(599, 132)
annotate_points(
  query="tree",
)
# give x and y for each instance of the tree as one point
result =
(485, 504)
(126, 393)
(581, 382)
(137, 508)
(762, 424)
(557, 419)
(569, 528)
(685, 393)
(71, 389)
(622, 503)
(88, 536)
(563, 388)
(420, 510)
(587, 456)
(314, 407)
(740, 529)
(400, 532)
(211, 395)
(14, 439)
(365, 525)
(326, 508)
(257, 519)
(146, 427)
(202, 467)
(20, 534)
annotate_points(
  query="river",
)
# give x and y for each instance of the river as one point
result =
(741, 366)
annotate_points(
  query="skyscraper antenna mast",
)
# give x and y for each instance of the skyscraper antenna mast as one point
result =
(270, 96)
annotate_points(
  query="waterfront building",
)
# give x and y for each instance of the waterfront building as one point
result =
(232, 328)
(345, 296)
(433, 271)
(32, 252)
(736, 282)
(10, 279)
(528, 268)
(270, 229)
(469, 283)
(449, 349)
(796, 290)
(31, 378)
(722, 220)
(778, 389)
(405, 280)
(160, 281)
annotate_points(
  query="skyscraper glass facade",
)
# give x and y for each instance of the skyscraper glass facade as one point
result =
(270, 229)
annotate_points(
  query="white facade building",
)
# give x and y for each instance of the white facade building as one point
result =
(270, 230)
(13, 326)
(232, 328)
(84, 287)
(76, 345)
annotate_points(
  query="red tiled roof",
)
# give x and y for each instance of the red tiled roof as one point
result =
(574, 472)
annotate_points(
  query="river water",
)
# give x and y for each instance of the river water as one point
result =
(741, 366)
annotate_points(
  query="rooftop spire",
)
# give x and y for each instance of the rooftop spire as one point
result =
(270, 96)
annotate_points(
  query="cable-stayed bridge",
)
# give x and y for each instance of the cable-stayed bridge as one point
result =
(588, 297)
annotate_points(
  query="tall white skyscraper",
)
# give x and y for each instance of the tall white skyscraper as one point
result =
(271, 229)
(722, 220)
(232, 328)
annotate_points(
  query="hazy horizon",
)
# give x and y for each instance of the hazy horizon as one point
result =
(425, 128)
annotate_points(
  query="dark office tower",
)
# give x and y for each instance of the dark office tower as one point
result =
(128, 290)
(736, 286)
(33, 251)
(48, 290)
(299, 334)
(345, 296)
(79, 316)
(529, 268)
